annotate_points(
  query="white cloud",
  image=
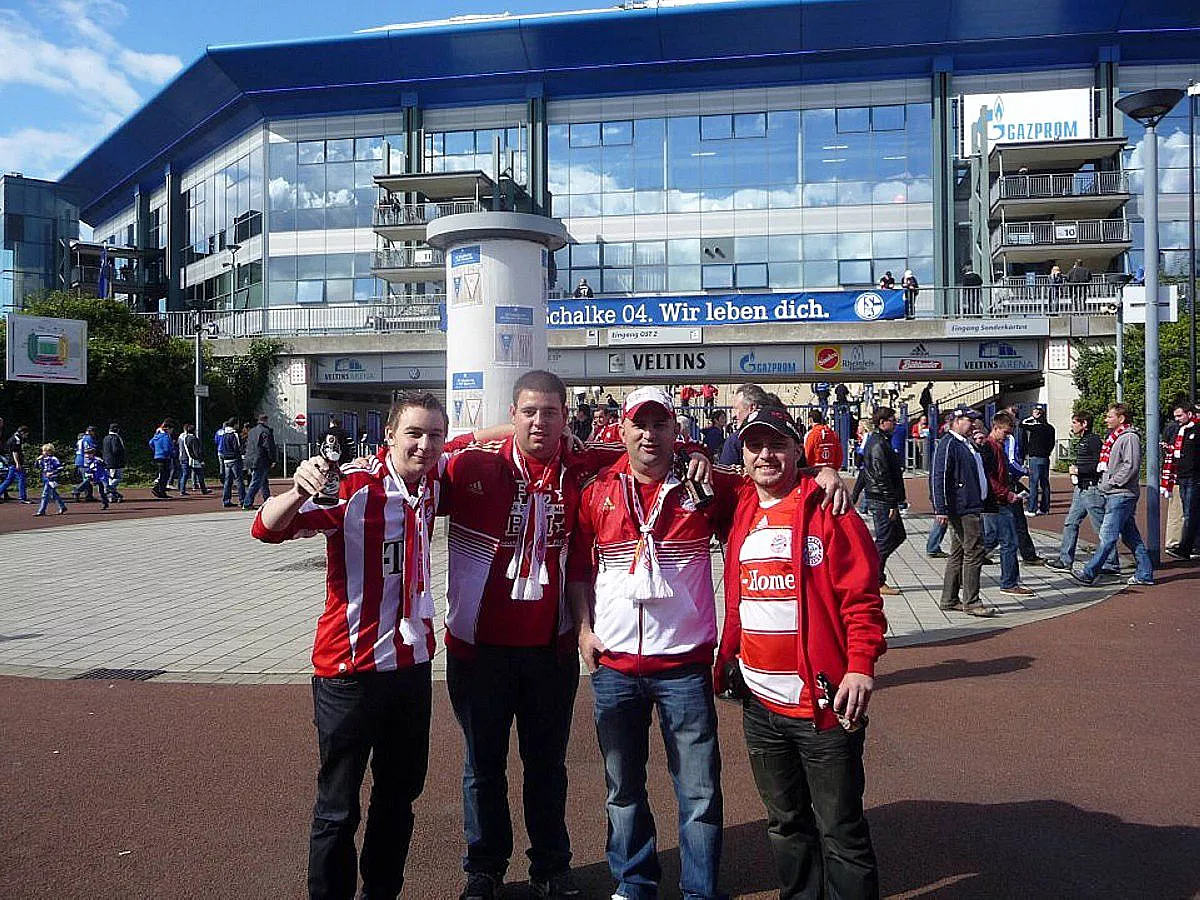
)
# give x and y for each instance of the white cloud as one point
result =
(88, 66)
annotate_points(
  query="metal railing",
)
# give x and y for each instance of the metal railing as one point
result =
(1051, 185)
(393, 215)
(1098, 297)
(122, 277)
(1049, 234)
(416, 315)
(407, 258)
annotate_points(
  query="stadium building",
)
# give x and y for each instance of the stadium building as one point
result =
(736, 178)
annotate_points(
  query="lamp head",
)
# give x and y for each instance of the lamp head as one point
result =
(1150, 107)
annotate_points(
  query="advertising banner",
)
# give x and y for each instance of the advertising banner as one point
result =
(46, 350)
(727, 309)
(1030, 116)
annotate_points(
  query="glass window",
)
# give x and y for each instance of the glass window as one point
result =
(616, 133)
(585, 205)
(920, 242)
(618, 254)
(890, 243)
(750, 125)
(459, 143)
(855, 272)
(853, 119)
(585, 256)
(617, 204)
(364, 290)
(683, 252)
(617, 281)
(340, 290)
(585, 134)
(368, 148)
(820, 246)
(339, 184)
(310, 267)
(683, 278)
(854, 245)
(650, 253)
(751, 275)
(853, 193)
(310, 292)
(311, 152)
(716, 128)
(895, 265)
(645, 202)
(282, 293)
(887, 118)
(751, 248)
(783, 248)
(341, 150)
(339, 265)
(785, 276)
(716, 277)
(282, 268)
(649, 279)
(823, 273)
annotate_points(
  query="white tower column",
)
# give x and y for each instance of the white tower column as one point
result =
(496, 283)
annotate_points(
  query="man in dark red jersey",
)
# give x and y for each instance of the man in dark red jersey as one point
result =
(801, 602)
(371, 690)
(510, 636)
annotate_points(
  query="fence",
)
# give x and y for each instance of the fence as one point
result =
(414, 315)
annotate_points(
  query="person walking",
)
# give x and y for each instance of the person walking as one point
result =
(804, 627)
(191, 461)
(822, 447)
(162, 445)
(229, 454)
(372, 683)
(958, 485)
(1001, 504)
(113, 451)
(260, 454)
(1182, 469)
(881, 482)
(17, 474)
(1120, 470)
(50, 468)
(96, 473)
(1014, 449)
(1086, 499)
(1038, 438)
(86, 441)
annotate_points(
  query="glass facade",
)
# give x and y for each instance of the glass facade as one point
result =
(857, 159)
(34, 218)
(472, 149)
(225, 208)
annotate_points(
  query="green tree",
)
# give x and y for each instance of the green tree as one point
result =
(137, 376)
(1093, 373)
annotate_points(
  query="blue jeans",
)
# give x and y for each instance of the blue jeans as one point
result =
(258, 482)
(193, 473)
(937, 532)
(1005, 534)
(1085, 503)
(231, 474)
(687, 718)
(114, 481)
(889, 532)
(1039, 484)
(17, 476)
(1119, 523)
(535, 686)
(811, 783)
(49, 494)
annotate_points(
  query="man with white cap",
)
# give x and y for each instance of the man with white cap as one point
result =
(640, 583)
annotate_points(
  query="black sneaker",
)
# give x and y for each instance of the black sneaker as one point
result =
(480, 886)
(1054, 562)
(937, 554)
(1176, 553)
(557, 886)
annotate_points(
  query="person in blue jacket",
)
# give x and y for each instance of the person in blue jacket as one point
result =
(163, 446)
(96, 472)
(86, 441)
(50, 467)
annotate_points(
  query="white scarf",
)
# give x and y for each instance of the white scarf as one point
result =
(645, 579)
(418, 515)
(527, 569)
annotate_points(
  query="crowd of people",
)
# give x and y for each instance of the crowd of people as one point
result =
(556, 550)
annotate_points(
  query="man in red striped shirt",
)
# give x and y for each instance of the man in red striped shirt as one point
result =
(371, 688)
(802, 600)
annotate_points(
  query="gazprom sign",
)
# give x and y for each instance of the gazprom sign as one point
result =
(1030, 117)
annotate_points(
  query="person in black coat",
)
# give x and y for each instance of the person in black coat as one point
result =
(881, 481)
(113, 450)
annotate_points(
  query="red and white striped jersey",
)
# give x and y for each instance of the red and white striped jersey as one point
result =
(607, 434)
(362, 628)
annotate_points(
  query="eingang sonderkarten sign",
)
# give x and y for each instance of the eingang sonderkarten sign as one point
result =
(727, 309)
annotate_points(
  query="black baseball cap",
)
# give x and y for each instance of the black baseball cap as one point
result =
(775, 417)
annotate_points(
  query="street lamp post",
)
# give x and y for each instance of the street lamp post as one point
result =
(200, 389)
(232, 264)
(1149, 108)
(1193, 91)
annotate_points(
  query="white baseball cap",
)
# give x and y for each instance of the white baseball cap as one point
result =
(635, 400)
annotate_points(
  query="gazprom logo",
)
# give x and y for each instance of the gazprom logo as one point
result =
(1018, 131)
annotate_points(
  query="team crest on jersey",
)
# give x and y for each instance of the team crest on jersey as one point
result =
(475, 487)
(814, 551)
(779, 544)
(607, 505)
(687, 504)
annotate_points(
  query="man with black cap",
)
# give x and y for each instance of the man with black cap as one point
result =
(958, 486)
(803, 613)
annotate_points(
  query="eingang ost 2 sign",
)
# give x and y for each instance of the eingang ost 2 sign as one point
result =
(727, 309)
(46, 350)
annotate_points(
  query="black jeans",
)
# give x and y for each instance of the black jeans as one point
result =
(811, 783)
(383, 717)
(536, 687)
(164, 476)
(889, 532)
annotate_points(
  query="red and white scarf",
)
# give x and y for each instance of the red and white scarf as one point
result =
(1168, 472)
(419, 511)
(1106, 448)
(527, 569)
(645, 578)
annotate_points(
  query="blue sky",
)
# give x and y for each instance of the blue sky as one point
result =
(72, 70)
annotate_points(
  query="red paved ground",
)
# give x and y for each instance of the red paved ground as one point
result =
(1052, 760)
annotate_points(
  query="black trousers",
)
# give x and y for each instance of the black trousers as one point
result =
(164, 476)
(383, 718)
(811, 783)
